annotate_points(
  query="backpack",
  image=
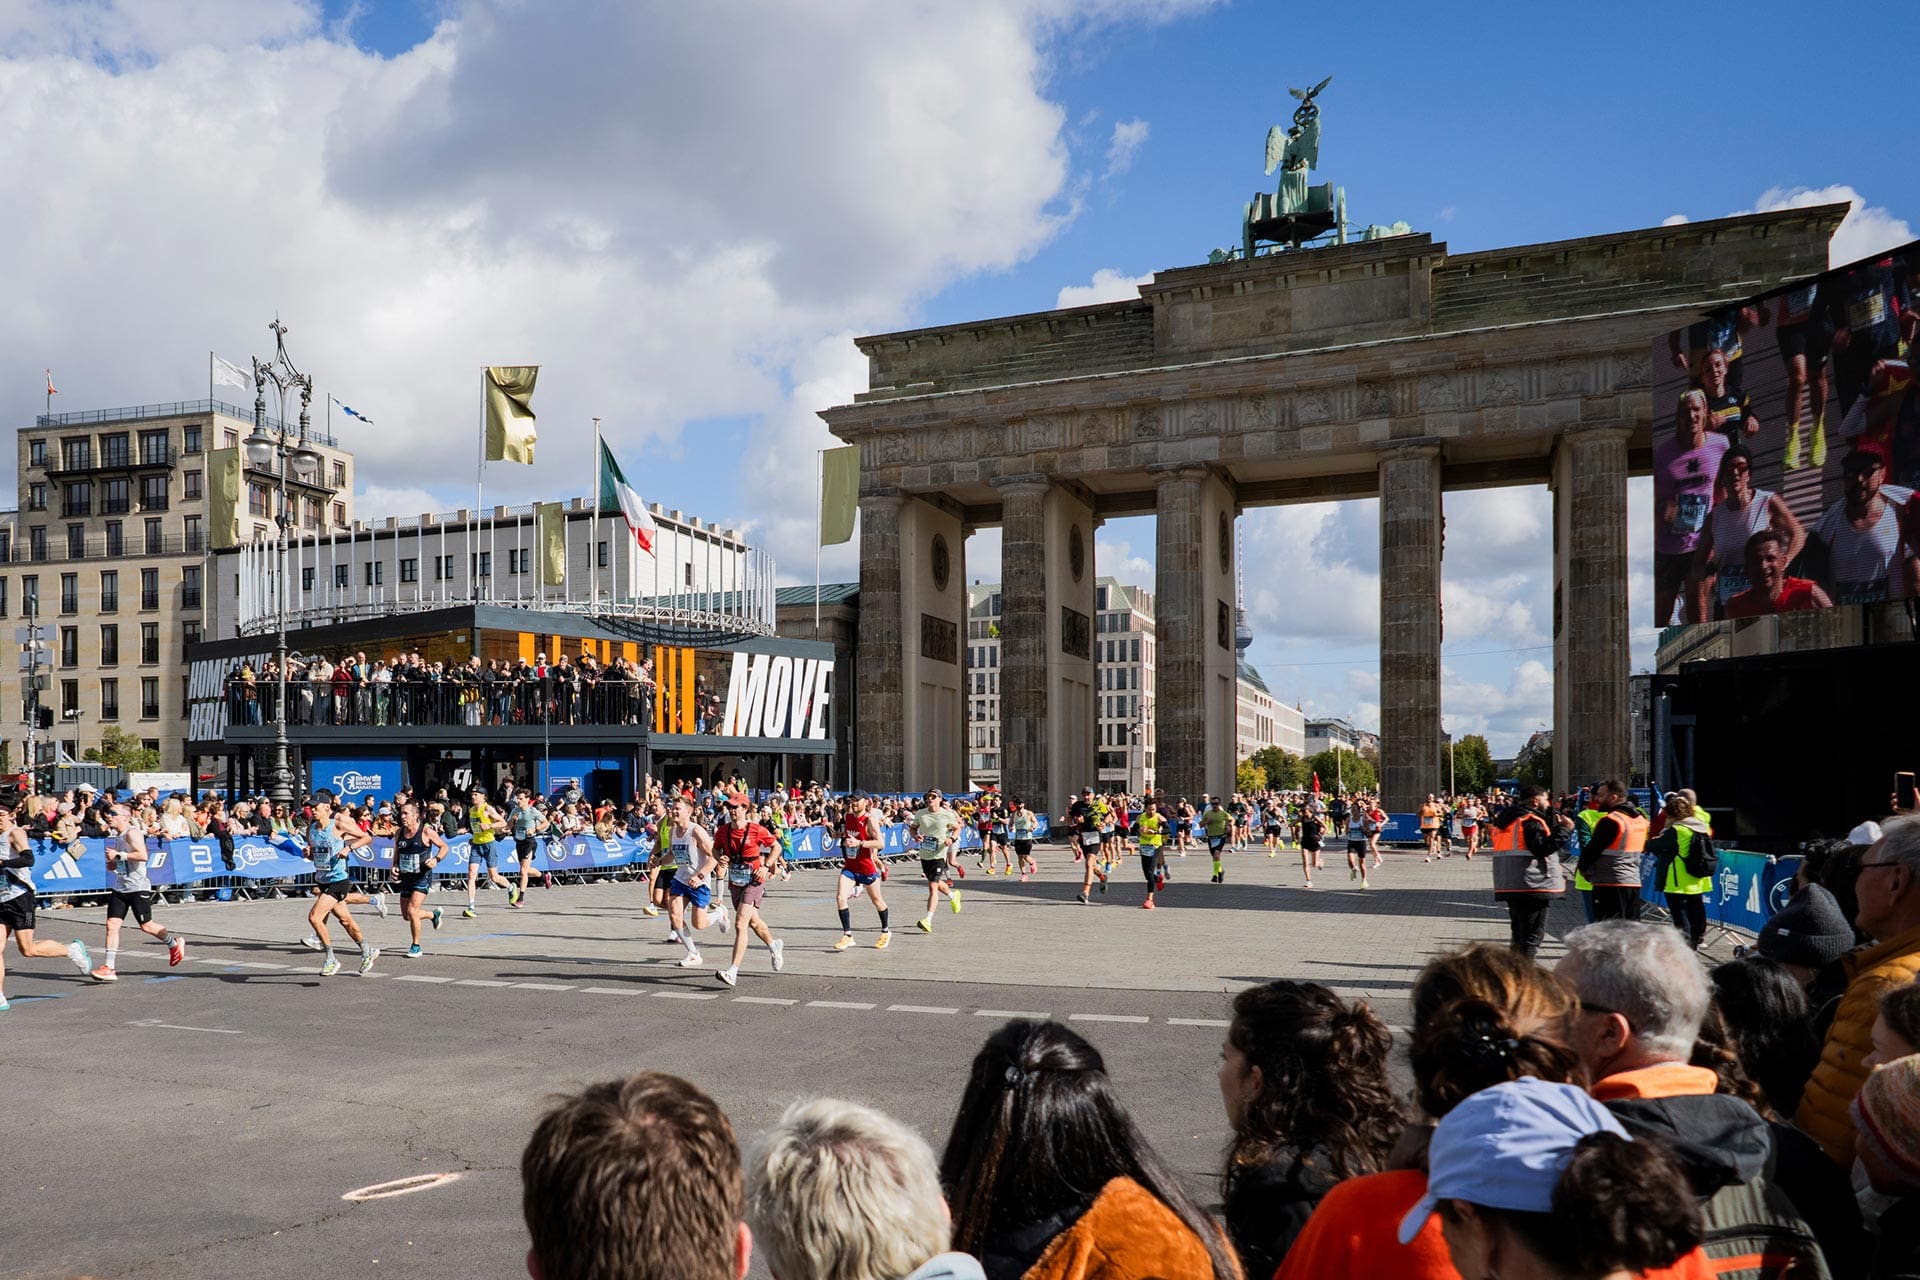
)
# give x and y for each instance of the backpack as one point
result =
(1753, 1232)
(1702, 858)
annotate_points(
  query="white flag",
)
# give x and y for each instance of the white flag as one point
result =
(230, 373)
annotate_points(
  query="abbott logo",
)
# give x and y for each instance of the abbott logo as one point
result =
(353, 782)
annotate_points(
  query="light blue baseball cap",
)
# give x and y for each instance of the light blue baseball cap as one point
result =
(1505, 1148)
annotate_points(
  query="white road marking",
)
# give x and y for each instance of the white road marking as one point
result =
(1011, 1013)
(481, 982)
(262, 964)
(400, 1187)
(766, 1000)
(611, 991)
(543, 986)
(687, 995)
(158, 1025)
(419, 977)
(837, 1004)
(1108, 1017)
(1199, 1022)
(919, 1008)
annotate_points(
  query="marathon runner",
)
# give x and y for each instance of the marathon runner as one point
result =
(1311, 829)
(860, 870)
(331, 839)
(937, 830)
(690, 889)
(663, 864)
(481, 822)
(744, 848)
(1085, 820)
(1469, 815)
(1432, 814)
(18, 903)
(526, 823)
(1376, 825)
(1183, 816)
(132, 893)
(996, 836)
(1359, 825)
(1153, 834)
(1218, 825)
(413, 863)
(1023, 825)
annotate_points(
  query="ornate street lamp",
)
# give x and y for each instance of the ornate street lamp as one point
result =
(286, 458)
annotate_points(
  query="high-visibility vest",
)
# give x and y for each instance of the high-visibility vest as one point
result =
(1631, 833)
(1585, 821)
(1515, 869)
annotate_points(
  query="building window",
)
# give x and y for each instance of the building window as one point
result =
(339, 474)
(109, 591)
(36, 496)
(6, 544)
(150, 744)
(154, 451)
(37, 543)
(116, 538)
(149, 643)
(69, 593)
(306, 578)
(376, 572)
(109, 644)
(601, 556)
(190, 587)
(190, 632)
(30, 593)
(410, 569)
(313, 513)
(76, 454)
(114, 451)
(258, 503)
(116, 497)
(76, 541)
(149, 697)
(443, 568)
(190, 438)
(36, 453)
(76, 501)
(3, 597)
(69, 646)
(340, 513)
(196, 537)
(481, 562)
(69, 700)
(156, 537)
(340, 579)
(687, 573)
(149, 588)
(109, 699)
(190, 483)
(153, 493)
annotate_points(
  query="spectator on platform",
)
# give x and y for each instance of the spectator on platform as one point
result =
(1889, 894)
(1643, 1000)
(1303, 1076)
(1050, 1180)
(1886, 1115)
(635, 1179)
(838, 1191)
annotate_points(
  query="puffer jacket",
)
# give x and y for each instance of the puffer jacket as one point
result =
(1871, 972)
(1125, 1234)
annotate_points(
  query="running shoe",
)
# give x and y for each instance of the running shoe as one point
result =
(690, 961)
(924, 924)
(176, 951)
(414, 952)
(1364, 886)
(1147, 905)
(546, 880)
(649, 910)
(779, 950)
(1007, 872)
(1102, 873)
(961, 868)
(1309, 884)
(1792, 461)
(880, 943)
(80, 957)
(367, 958)
(846, 940)
(311, 942)
(331, 967)
(728, 975)
(434, 919)
(1023, 877)
(104, 974)
(1160, 882)
(513, 897)
(953, 900)
(673, 935)
(4, 1006)
(469, 914)
(1352, 873)
(1818, 455)
(378, 902)
(720, 922)
(1081, 898)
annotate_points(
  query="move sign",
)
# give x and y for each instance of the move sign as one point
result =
(777, 697)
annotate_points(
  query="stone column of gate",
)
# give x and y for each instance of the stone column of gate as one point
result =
(1194, 701)
(879, 755)
(1409, 627)
(1592, 646)
(1023, 640)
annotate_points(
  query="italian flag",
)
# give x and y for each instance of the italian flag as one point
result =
(617, 495)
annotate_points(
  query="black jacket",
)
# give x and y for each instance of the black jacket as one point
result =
(1268, 1206)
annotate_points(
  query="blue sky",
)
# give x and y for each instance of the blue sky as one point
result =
(685, 220)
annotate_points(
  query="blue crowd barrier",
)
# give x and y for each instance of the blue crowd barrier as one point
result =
(1748, 888)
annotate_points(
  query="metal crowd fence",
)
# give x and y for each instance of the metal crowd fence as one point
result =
(1748, 888)
(442, 702)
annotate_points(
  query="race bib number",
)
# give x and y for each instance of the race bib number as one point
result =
(1690, 513)
(1867, 311)
(931, 846)
(1089, 838)
(739, 873)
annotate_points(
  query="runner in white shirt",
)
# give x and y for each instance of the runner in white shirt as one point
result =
(132, 893)
(690, 904)
(18, 903)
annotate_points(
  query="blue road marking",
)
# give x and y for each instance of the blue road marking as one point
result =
(171, 977)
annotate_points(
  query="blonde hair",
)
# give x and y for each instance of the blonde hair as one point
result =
(838, 1191)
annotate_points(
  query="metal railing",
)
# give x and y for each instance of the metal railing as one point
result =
(116, 460)
(172, 409)
(495, 703)
(104, 548)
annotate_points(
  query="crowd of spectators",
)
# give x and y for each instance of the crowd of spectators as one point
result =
(1627, 1112)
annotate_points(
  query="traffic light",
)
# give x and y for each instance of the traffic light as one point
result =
(45, 717)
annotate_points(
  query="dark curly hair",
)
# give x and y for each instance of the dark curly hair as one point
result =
(1323, 1080)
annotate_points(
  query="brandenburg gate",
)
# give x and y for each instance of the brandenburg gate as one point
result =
(1385, 367)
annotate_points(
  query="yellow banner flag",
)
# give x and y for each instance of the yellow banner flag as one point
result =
(508, 392)
(550, 531)
(223, 498)
(839, 493)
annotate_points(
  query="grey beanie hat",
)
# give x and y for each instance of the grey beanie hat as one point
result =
(1811, 930)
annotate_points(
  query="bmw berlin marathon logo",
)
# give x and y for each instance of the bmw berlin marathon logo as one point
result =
(352, 783)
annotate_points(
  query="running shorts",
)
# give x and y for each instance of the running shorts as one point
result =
(1023, 847)
(335, 889)
(1468, 828)
(525, 846)
(1809, 339)
(934, 869)
(138, 905)
(858, 878)
(700, 895)
(16, 914)
(1356, 844)
(1089, 839)
(415, 882)
(745, 895)
(482, 854)
(1216, 843)
(662, 877)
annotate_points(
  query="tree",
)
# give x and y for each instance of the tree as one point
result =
(1284, 771)
(1350, 771)
(122, 750)
(1473, 770)
(1249, 778)
(1535, 765)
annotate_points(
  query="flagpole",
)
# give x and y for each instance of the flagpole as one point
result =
(209, 387)
(593, 539)
(819, 497)
(479, 488)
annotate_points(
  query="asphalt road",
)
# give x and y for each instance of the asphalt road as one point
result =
(206, 1121)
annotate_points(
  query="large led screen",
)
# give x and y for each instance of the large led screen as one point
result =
(1786, 449)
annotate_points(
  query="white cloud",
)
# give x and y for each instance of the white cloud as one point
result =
(1128, 137)
(1675, 220)
(1114, 558)
(377, 502)
(1448, 214)
(1867, 229)
(1108, 285)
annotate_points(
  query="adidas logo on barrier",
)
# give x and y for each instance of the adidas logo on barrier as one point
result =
(63, 868)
